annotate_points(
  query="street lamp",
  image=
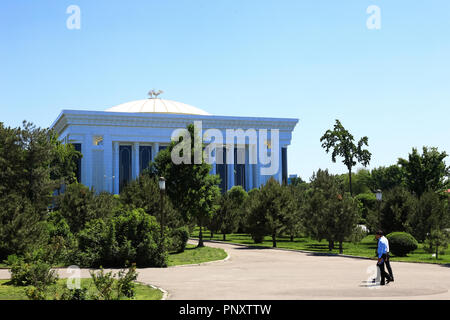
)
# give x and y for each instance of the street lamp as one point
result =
(379, 196)
(162, 189)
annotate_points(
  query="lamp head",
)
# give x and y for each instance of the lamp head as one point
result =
(162, 183)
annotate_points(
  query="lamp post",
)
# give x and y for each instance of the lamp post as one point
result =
(379, 196)
(162, 189)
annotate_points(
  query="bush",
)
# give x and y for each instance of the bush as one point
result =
(179, 238)
(74, 294)
(31, 271)
(111, 289)
(401, 243)
(133, 236)
(62, 242)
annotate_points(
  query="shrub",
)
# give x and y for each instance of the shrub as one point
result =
(61, 242)
(401, 243)
(138, 239)
(179, 238)
(93, 244)
(132, 236)
(31, 270)
(74, 294)
(110, 288)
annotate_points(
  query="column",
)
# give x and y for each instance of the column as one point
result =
(116, 178)
(249, 169)
(257, 166)
(231, 172)
(86, 161)
(279, 176)
(108, 159)
(213, 164)
(155, 150)
(136, 160)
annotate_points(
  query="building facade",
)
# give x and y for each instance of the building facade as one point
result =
(119, 143)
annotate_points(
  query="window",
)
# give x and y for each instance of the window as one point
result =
(125, 166)
(239, 170)
(222, 171)
(145, 157)
(284, 173)
(77, 147)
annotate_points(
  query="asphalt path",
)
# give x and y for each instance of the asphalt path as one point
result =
(251, 273)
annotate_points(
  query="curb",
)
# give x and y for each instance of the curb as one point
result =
(295, 250)
(321, 253)
(204, 263)
(165, 292)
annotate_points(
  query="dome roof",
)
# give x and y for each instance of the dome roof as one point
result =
(155, 105)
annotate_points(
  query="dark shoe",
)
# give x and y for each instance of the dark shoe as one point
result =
(388, 280)
(382, 284)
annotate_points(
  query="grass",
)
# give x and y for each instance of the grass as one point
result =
(191, 255)
(365, 248)
(194, 255)
(10, 292)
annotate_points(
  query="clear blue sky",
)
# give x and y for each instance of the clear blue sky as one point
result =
(314, 60)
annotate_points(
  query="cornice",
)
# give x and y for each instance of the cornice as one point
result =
(114, 119)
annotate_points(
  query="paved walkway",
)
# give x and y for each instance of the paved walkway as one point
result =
(261, 273)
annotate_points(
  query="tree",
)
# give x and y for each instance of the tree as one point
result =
(295, 201)
(437, 239)
(426, 172)
(63, 162)
(360, 181)
(230, 210)
(346, 216)
(190, 187)
(431, 214)
(329, 213)
(26, 186)
(144, 193)
(75, 206)
(397, 209)
(79, 205)
(341, 141)
(386, 178)
(268, 210)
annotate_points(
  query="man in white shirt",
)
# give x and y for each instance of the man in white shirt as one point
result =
(386, 260)
(383, 253)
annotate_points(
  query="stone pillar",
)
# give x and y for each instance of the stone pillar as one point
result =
(249, 168)
(213, 164)
(279, 176)
(116, 178)
(136, 161)
(155, 150)
(108, 160)
(86, 161)
(231, 172)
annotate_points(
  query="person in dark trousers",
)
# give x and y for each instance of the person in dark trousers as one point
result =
(383, 258)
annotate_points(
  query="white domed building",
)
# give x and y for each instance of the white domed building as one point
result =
(119, 143)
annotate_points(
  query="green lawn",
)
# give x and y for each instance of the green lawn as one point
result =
(10, 292)
(194, 255)
(191, 255)
(365, 248)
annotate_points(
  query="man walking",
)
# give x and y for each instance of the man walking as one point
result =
(383, 258)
